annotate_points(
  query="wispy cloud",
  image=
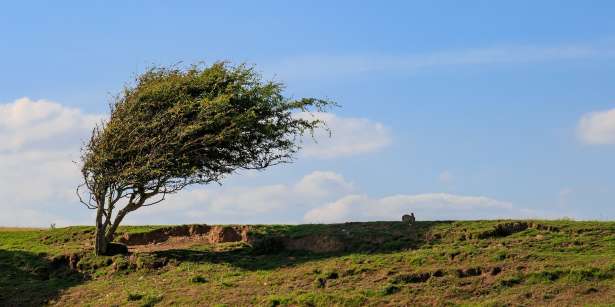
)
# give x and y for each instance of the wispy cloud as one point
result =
(39, 139)
(320, 65)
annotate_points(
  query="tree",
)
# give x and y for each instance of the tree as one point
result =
(178, 127)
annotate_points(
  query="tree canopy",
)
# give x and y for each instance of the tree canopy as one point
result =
(177, 127)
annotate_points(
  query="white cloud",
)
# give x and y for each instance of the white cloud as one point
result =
(321, 184)
(597, 128)
(278, 203)
(349, 136)
(39, 140)
(29, 124)
(319, 197)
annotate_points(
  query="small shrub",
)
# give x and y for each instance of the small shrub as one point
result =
(320, 282)
(390, 289)
(470, 272)
(438, 273)
(411, 278)
(418, 261)
(499, 256)
(134, 297)
(511, 281)
(332, 275)
(198, 279)
(579, 275)
(590, 290)
(544, 277)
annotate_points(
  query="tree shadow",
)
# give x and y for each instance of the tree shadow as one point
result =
(357, 238)
(29, 279)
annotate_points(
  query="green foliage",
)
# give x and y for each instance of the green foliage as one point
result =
(178, 127)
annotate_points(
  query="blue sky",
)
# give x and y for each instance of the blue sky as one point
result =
(453, 110)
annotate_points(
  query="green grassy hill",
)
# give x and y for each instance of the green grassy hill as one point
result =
(354, 264)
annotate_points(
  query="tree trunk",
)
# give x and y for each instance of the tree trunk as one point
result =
(101, 241)
(100, 244)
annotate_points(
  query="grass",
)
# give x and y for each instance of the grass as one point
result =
(382, 263)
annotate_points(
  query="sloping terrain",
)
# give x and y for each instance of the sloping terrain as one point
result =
(354, 264)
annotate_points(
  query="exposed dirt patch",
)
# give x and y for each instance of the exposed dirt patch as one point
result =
(224, 234)
(184, 236)
(163, 234)
(170, 244)
(338, 238)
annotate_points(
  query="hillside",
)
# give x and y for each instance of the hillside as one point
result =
(354, 264)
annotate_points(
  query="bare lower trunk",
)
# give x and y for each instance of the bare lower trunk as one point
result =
(105, 231)
(101, 241)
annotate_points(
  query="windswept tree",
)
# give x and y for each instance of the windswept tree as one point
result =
(178, 127)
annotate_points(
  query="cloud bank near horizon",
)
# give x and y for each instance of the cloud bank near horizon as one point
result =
(321, 197)
(40, 141)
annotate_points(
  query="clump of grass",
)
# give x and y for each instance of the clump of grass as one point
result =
(151, 300)
(226, 284)
(275, 300)
(544, 276)
(580, 275)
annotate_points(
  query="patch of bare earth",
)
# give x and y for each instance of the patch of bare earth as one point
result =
(185, 236)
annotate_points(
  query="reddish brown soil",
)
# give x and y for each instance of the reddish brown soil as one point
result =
(183, 237)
